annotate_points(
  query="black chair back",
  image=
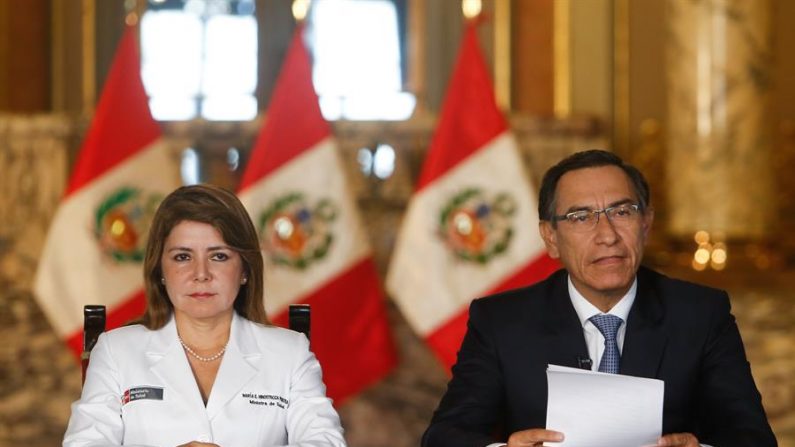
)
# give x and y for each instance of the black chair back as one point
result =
(300, 319)
(93, 325)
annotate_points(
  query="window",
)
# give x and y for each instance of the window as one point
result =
(357, 60)
(378, 162)
(199, 59)
(190, 168)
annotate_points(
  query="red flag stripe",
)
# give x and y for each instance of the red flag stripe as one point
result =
(297, 126)
(469, 119)
(354, 352)
(118, 129)
(446, 339)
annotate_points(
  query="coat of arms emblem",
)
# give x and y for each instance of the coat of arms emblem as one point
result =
(295, 233)
(121, 223)
(476, 227)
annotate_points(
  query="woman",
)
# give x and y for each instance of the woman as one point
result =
(202, 367)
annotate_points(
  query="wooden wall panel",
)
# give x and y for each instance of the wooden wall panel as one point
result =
(532, 57)
(24, 56)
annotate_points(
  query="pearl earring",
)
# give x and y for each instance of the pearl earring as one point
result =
(163, 280)
(244, 280)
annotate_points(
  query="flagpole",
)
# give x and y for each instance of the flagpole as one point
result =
(120, 174)
(88, 41)
(562, 47)
(316, 250)
(417, 42)
(502, 54)
(470, 223)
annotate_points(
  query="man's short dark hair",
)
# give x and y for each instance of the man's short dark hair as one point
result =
(587, 159)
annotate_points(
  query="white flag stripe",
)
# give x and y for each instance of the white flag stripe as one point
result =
(91, 275)
(317, 173)
(440, 287)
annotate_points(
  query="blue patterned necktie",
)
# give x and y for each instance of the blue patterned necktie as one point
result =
(608, 325)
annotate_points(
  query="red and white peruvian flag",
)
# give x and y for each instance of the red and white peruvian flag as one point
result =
(316, 248)
(471, 228)
(95, 246)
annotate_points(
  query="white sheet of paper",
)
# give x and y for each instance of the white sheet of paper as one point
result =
(595, 409)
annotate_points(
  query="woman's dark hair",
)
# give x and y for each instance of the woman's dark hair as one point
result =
(217, 207)
(587, 159)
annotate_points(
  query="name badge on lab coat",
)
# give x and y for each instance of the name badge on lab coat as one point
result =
(268, 400)
(142, 392)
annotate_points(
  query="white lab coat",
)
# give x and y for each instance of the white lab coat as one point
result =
(268, 392)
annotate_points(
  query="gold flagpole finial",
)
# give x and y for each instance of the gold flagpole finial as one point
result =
(131, 19)
(134, 10)
(471, 8)
(300, 9)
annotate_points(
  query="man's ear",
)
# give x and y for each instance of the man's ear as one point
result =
(648, 219)
(550, 237)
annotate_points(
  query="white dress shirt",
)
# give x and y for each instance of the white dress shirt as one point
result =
(593, 337)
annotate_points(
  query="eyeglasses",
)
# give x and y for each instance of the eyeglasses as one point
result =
(585, 220)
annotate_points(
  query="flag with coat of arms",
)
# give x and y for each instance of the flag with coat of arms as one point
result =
(316, 249)
(95, 245)
(471, 227)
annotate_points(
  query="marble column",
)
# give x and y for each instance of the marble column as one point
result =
(719, 142)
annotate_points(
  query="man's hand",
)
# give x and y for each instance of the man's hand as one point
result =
(678, 440)
(534, 437)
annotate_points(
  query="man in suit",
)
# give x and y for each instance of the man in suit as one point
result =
(595, 216)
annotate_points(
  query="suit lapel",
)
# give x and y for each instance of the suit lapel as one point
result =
(645, 339)
(563, 334)
(238, 367)
(167, 361)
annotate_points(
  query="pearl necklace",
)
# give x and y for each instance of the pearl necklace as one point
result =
(200, 358)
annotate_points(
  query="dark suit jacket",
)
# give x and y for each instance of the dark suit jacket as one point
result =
(677, 331)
